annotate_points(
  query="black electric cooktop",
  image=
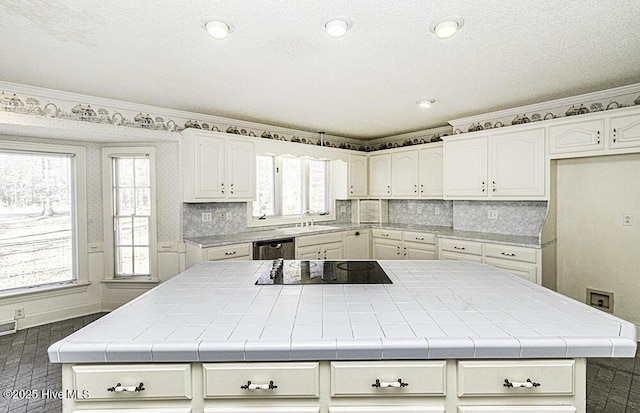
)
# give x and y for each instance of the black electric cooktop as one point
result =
(323, 272)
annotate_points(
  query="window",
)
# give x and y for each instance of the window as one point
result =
(39, 215)
(132, 211)
(287, 186)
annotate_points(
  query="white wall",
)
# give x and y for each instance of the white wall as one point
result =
(594, 249)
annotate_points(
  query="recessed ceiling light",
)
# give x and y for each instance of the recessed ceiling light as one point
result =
(336, 26)
(426, 103)
(447, 27)
(218, 29)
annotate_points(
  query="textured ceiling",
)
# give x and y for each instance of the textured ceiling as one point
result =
(280, 67)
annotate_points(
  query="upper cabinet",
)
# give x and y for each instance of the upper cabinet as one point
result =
(217, 168)
(599, 133)
(430, 171)
(357, 175)
(509, 165)
(380, 175)
(404, 173)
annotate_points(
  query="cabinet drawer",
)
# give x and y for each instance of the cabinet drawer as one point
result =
(576, 137)
(277, 409)
(228, 251)
(160, 381)
(319, 239)
(388, 409)
(517, 409)
(487, 378)
(523, 270)
(387, 233)
(510, 253)
(465, 247)
(456, 256)
(420, 237)
(358, 378)
(229, 380)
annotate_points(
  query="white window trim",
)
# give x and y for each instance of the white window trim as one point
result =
(109, 265)
(80, 239)
(279, 220)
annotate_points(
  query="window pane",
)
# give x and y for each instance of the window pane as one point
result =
(142, 171)
(265, 188)
(125, 172)
(143, 201)
(141, 264)
(36, 219)
(141, 231)
(318, 196)
(124, 260)
(291, 186)
(124, 203)
(124, 231)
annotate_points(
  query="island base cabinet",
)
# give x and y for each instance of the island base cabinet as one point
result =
(277, 409)
(516, 409)
(388, 409)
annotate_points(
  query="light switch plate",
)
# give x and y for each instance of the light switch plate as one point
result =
(627, 220)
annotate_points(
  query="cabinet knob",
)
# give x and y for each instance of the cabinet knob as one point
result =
(527, 384)
(458, 248)
(508, 254)
(119, 388)
(415, 189)
(230, 253)
(222, 188)
(398, 383)
(420, 238)
(357, 233)
(421, 189)
(614, 134)
(252, 386)
(398, 250)
(231, 188)
(388, 189)
(483, 187)
(493, 186)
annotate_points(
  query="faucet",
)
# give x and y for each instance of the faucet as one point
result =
(303, 222)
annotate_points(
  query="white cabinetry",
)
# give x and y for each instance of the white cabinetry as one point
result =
(500, 166)
(320, 247)
(380, 175)
(196, 254)
(403, 245)
(523, 262)
(594, 134)
(430, 171)
(357, 175)
(357, 244)
(404, 174)
(217, 168)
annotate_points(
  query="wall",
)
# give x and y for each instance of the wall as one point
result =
(594, 249)
(43, 308)
(405, 211)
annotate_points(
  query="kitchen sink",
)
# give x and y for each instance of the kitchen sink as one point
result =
(302, 230)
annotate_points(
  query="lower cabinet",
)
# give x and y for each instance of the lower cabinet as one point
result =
(426, 386)
(320, 247)
(195, 254)
(403, 245)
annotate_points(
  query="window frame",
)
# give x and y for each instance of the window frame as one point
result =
(79, 212)
(108, 153)
(293, 219)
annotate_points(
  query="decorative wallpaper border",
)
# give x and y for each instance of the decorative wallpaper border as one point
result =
(42, 102)
(572, 106)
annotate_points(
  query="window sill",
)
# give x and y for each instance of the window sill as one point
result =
(130, 284)
(270, 222)
(44, 292)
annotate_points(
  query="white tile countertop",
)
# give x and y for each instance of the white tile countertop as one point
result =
(433, 310)
(443, 232)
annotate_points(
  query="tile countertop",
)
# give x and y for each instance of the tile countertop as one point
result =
(214, 312)
(444, 232)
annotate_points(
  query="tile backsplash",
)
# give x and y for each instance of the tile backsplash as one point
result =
(513, 217)
(237, 212)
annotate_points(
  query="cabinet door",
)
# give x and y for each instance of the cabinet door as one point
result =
(241, 164)
(331, 251)
(380, 175)
(416, 251)
(209, 167)
(576, 137)
(357, 175)
(311, 252)
(625, 131)
(430, 172)
(387, 249)
(356, 245)
(455, 256)
(465, 168)
(404, 181)
(517, 164)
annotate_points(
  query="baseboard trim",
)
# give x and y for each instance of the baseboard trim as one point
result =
(59, 314)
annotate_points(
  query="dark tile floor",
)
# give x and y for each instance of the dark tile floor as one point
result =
(613, 385)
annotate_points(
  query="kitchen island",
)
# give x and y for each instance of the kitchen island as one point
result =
(445, 336)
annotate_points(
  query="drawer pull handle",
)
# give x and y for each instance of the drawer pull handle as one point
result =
(398, 383)
(251, 386)
(119, 388)
(458, 248)
(230, 253)
(508, 254)
(420, 238)
(527, 384)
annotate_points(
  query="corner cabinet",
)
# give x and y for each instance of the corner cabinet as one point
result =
(510, 166)
(217, 168)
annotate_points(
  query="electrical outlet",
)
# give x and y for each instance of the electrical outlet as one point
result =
(493, 214)
(223, 216)
(627, 220)
(228, 216)
(419, 210)
(206, 217)
(343, 209)
(19, 313)
(436, 210)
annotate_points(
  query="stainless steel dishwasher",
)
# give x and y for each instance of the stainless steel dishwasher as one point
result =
(273, 249)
